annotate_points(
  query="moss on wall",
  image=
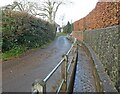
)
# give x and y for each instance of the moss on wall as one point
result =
(106, 43)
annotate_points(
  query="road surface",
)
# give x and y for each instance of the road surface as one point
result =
(20, 73)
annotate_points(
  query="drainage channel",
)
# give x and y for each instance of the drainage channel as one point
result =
(84, 79)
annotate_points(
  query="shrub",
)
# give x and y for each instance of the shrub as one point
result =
(23, 29)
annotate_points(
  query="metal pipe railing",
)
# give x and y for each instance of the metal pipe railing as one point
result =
(68, 68)
(40, 86)
(61, 84)
(53, 71)
(69, 50)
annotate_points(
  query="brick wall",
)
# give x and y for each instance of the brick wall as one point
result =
(78, 35)
(103, 15)
(101, 30)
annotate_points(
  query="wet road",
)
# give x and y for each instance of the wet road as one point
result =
(19, 74)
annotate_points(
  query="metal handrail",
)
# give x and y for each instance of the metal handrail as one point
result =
(71, 47)
(69, 50)
(35, 91)
(53, 71)
(69, 65)
(42, 85)
(60, 86)
(56, 67)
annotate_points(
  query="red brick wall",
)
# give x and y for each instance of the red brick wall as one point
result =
(105, 14)
(78, 35)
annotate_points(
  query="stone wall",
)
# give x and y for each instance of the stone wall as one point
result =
(106, 42)
(101, 31)
(103, 15)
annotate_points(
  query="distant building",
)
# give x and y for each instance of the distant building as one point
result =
(58, 28)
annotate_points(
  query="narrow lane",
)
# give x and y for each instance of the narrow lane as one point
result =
(19, 74)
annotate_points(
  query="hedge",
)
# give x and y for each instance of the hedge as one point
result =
(23, 29)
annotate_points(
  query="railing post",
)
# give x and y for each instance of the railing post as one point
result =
(39, 87)
(66, 63)
(64, 71)
(76, 53)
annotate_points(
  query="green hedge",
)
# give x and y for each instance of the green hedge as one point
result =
(22, 29)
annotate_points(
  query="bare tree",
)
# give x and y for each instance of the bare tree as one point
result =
(46, 9)
(49, 9)
(14, 6)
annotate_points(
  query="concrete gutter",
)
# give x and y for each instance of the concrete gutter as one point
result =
(104, 79)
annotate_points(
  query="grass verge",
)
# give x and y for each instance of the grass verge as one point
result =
(19, 50)
(14, 52)
(61, 34)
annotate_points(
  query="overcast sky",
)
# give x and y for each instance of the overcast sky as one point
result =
(78, 9)
(69, 12)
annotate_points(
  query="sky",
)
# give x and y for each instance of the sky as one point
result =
(75, 11)
(68, 12)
